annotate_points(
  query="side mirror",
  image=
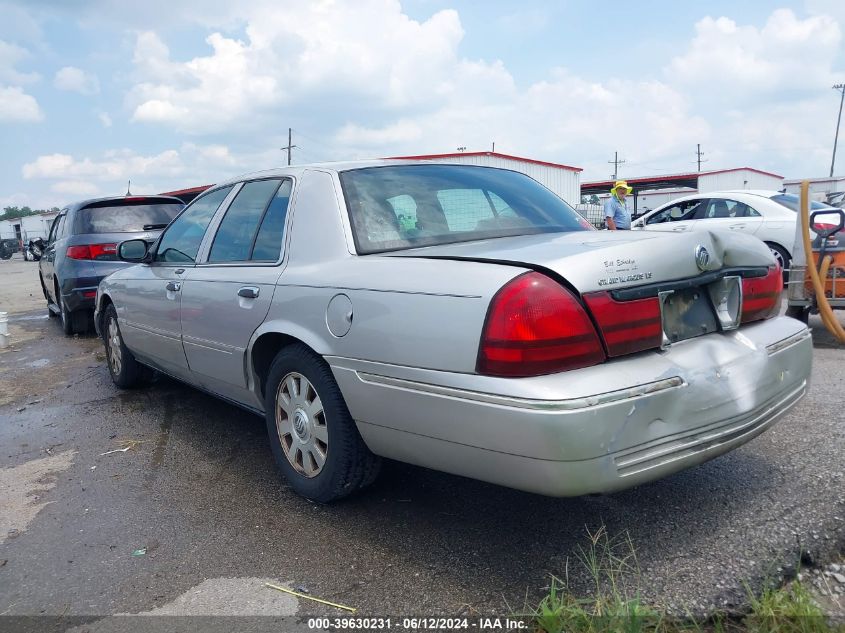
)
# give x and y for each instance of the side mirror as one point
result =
(134, 251)
(826, 227)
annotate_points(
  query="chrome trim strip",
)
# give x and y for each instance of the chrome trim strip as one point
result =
(779, 346)
(569, 404)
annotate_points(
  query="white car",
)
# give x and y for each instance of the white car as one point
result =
(769, 215)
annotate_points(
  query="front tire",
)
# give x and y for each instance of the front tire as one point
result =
(125, 371)
(314, 439)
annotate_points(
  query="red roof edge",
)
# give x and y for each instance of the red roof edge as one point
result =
(180, 192)
(494, 154)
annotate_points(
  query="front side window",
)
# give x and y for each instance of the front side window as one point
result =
(181, 241)
(54, 228)
(400, 207)
(254, 223)
(676, 212)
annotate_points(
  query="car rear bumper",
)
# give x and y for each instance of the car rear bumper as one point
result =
(595, 430)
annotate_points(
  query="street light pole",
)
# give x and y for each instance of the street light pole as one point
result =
(841, 89)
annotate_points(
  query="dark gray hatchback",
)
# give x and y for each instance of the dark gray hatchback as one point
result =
(81, 250)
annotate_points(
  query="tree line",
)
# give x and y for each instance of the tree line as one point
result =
(11, 213)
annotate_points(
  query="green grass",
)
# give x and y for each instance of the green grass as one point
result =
(614, 603)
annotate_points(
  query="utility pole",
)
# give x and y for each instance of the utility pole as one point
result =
(290, 145)
(699, 153)
(616, 162)
(841, 89)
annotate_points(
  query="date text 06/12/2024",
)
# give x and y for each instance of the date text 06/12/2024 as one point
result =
(418, 624)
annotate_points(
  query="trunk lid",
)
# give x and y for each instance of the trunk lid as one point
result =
(611, 260)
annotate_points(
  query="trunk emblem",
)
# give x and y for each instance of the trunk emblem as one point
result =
(702, 257)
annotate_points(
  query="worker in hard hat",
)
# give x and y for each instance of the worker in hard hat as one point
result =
(616, 213)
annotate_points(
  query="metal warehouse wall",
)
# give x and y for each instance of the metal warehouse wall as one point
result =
(818, 186)
(566, 183)
(740, 179)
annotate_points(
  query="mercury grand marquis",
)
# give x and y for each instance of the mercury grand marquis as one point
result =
(460, 318)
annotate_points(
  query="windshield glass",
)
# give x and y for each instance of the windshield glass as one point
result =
(125, 218)
(400, 207)
(791, 201)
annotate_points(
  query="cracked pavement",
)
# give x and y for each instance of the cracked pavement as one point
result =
(199, 493)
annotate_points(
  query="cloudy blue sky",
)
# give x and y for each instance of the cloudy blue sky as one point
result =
(175, 93)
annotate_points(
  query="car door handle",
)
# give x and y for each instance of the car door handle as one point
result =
(249, 292)
(680, 228)
(737, 226)
(173, 286)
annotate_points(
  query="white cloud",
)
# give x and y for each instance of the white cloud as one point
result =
(76, 188)
(401, 132)
(787, 53)
(16, 105)
(75, 79)
(105, 119)
(108, 173)
(368, 52)
(10, 56)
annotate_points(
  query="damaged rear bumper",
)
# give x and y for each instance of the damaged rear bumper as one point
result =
(594, 430)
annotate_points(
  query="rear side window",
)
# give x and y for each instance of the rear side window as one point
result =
(180, 242)
(723, 208)
(254, 224)
(792, 202)
(125, 218)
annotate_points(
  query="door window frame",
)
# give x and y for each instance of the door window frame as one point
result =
(217, 220)
(224, 204)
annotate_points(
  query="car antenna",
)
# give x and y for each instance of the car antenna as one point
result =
(128, 185)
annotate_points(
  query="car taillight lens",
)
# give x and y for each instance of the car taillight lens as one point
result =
(761, 295)
(535, 326)
(101, 252)
(626, 326)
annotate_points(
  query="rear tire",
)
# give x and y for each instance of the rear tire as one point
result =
(314, 439)
(125, 371)
(73, 322)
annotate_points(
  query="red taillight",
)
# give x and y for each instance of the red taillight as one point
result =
(89, 294)
(535, 326)
(626, 326)
(761, 295)
(93, 251)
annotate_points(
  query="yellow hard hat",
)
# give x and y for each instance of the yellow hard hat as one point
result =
(623, 184)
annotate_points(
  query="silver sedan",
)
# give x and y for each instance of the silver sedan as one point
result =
(460, 318)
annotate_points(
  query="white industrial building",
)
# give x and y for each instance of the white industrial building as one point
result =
(564, 180)
(652, 191)
(27, 228)
(820, 188)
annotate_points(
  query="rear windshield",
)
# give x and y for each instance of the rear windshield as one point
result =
(791, 201)
(125, 219)
(400, 207)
